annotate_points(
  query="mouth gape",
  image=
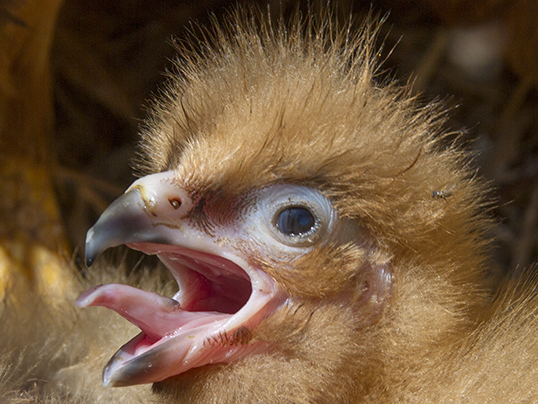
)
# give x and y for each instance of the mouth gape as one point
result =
(209, 320)
(222, 298)
(208, 283)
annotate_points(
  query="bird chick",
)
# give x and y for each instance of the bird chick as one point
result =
(290, 196)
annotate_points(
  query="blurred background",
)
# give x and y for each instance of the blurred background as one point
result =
(76, 77)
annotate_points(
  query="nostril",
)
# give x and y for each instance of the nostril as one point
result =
(175, 202)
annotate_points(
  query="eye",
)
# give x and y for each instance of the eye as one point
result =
(295, 221)
(290, 217)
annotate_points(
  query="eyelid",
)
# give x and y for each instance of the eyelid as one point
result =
(272, 200)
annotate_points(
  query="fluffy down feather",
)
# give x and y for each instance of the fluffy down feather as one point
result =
(391, 303)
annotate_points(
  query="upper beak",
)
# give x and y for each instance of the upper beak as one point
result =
(132, 218)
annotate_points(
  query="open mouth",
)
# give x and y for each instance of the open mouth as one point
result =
(211, 319)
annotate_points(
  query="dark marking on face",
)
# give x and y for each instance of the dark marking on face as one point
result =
(240, 336)
(214, 210)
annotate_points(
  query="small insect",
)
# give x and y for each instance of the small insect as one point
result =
(443, 193)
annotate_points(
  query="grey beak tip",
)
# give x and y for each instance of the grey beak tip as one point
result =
(89, 249)
(124, 221)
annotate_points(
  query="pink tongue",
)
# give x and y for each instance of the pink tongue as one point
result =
(154, 314)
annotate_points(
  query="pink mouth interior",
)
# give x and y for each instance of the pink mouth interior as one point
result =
(208, 282)
(212, 288)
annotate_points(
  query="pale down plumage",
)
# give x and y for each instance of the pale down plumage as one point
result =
(329, 243)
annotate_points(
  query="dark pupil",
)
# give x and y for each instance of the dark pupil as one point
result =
(295, 221)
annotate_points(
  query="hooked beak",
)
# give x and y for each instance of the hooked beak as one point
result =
(211, 319)
(124, 221)
(132, 217)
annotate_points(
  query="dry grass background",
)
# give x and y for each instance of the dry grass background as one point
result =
(108, 57)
